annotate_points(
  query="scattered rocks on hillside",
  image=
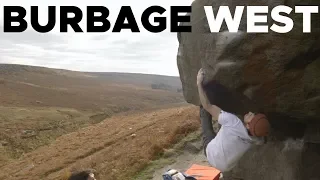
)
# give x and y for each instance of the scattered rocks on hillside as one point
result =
(28, 134)
(3, 143)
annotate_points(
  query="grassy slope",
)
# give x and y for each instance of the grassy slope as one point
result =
(117, 147)
(41, 87)
(40, 104)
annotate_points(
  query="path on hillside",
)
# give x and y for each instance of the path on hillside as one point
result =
(192, 154)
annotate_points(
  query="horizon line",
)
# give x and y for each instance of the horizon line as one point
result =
(65, 69)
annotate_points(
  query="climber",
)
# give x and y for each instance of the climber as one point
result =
(82, 175)
(224, 149)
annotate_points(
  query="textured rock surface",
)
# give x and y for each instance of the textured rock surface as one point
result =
(279, 73)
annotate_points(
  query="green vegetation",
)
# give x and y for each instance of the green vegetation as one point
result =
(161, 86)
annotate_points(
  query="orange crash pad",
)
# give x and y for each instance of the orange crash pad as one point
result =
(203, 172)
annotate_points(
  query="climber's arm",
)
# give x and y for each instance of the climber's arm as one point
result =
(212, 109)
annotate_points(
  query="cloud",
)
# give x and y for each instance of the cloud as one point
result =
(99, 37)
(30, 37)
(104, 52)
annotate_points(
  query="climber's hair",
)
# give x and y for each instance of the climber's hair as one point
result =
(81, 175)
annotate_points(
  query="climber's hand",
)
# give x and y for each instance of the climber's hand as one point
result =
(200, 77)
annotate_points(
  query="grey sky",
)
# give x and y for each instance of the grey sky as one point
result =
(109, 52)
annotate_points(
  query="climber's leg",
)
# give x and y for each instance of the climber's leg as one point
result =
(207, 129)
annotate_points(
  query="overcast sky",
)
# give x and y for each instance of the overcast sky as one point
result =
(142, 52)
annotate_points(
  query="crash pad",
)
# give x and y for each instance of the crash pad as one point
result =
(203, 172)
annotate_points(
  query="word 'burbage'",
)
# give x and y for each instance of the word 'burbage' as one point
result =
(124, 14)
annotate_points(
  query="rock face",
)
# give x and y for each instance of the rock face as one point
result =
(278, 73)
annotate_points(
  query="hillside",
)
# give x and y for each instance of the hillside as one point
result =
(37, 104)
(39, 87)
(139, 79)
(117, 147)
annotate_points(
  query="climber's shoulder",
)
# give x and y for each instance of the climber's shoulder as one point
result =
(228, 119)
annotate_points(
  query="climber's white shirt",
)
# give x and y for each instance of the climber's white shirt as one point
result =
(230, 144)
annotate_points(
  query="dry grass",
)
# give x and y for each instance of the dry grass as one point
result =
(25, 129)
(108, 147)
(41, 87)
(39, 104)
(45, 114)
